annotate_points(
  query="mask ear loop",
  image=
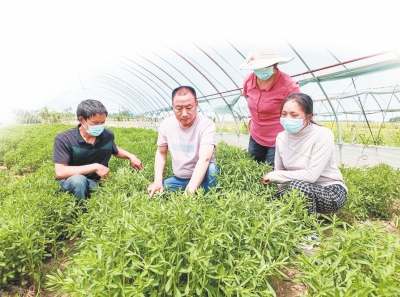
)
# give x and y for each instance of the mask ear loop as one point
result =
(82, 122)
(88, 127)
(310, 121)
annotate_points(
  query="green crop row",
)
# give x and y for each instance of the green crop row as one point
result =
(34, 215)
(231, 242)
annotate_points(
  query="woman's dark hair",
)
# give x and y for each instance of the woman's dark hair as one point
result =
(89, 108)
(303, 100)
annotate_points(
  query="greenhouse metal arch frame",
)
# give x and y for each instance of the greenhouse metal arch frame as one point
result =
(141, 81)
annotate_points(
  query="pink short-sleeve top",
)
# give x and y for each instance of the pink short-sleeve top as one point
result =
(264, 106)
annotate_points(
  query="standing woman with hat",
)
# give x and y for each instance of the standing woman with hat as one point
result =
(265, 90)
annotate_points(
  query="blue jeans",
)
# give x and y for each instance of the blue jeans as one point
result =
(261, 153)
(175, 183)
(78, 185)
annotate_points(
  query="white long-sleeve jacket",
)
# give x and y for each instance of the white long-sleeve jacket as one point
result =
(307, 155)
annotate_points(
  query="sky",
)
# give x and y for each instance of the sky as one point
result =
(46, 42)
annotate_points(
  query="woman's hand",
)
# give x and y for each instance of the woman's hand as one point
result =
(265, 179)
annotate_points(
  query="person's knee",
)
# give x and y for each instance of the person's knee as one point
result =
(211, 178)
(175, 184)
(77, 180)
(297, 184)
(77, 185)
(168, 182)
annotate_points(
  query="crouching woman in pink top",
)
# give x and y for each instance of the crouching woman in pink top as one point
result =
(305, 160)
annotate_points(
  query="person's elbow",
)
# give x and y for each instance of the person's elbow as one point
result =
(206, 153)
(59, 171)
(311, 177)
(59, 175)
(311, 180)
(205, 159)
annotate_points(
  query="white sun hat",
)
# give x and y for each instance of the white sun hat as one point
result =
(263, 56)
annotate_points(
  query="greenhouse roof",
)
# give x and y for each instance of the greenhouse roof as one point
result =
(139, 76)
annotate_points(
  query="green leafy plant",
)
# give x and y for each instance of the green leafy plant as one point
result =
(231, 242)
(353, 261)
(373, 192)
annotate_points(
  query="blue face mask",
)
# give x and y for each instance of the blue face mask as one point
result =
(292, 125)
(264, 73)
(95, 130)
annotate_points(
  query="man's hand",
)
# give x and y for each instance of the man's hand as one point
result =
(136, 163)
(155, 187)
(265, 179)
(190, 189)
(102, 171)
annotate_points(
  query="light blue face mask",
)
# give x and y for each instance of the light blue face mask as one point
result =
(292, 125)
(264, 73)
(95, 130)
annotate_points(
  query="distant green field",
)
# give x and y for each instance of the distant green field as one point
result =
(351, 132)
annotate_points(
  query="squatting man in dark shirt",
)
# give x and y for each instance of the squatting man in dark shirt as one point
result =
(81, 154)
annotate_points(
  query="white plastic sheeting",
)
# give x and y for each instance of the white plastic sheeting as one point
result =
(141, 81)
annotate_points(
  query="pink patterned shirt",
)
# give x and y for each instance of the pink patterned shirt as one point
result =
(264, 106)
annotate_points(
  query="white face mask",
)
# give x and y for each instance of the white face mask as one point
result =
(264, 73)
(292, 125)
(95, 130)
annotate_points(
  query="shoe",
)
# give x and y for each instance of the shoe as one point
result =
(313, 237)
(310, 241)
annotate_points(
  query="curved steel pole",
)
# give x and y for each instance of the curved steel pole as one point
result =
(146, 83)
(154, 64)
(104, 85)
(358, 120)
(105, 97)
(236, 49)
(236, 69)
(168, 104)
(167, 73)
(131, 88)
(144, 75)
(202, 74)
(126, 90)
(188, 80)
(327, 97)
(226, 73)
(150, 102)
(132, 92)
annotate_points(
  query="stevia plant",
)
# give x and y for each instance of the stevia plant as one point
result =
(23, 149)
(180, 246)
(32, 220)
(33, 212)
(374, 192)
(353, 261)
(229, 242)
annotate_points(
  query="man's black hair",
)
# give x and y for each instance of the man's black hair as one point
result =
(89, 108)
(190, 89)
